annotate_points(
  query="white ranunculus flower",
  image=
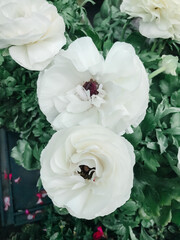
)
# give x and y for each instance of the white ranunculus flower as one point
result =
(33, 31)
(158, 18)
(87, 170)
(80, 87)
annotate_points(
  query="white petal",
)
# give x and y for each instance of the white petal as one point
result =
(53, 84)
(84, 55)
(65, 119)
(122, 66)
(151, 30)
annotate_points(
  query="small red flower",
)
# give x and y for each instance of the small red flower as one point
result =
(26, 211)
(31, 216)
(41, 195)
(10, 176)
(5, 175)
(99, 234)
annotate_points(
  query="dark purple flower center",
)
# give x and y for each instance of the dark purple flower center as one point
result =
(86, 172)
(92, 86)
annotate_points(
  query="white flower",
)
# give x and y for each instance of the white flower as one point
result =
(80, 87)
(88, 170)
(178, 157)
(158, 18)
(33, 30)
(169, 63)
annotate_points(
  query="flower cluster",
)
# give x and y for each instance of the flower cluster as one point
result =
(87, 166)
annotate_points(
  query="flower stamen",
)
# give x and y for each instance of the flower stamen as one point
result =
(92, 86)
(86, 172)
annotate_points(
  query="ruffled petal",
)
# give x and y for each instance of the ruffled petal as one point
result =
(84, 55)
(122, 66)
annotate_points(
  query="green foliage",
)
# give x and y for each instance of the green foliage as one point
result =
(153, 211)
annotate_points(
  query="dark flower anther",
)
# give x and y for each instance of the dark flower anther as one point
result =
(86, 172)
(92, 86)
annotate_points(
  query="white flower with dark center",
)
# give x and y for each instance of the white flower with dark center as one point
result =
(33, 31)
(81, 88)
(87, 170)
(158, 18)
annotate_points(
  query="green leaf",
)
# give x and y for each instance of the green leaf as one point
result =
(173, 164)
(151, 204)
(107, 46)
(164, 109)
(149, 123)
(1, 59)
(169, 84)
(105, 9)
(172, 131)
(175, 99)
(135, 138)
(165, 216)
(23, 156)
(39, 184)
(144, 235)
(132, 235)
(175, 120)
(176, 217)
(149, 159)
(136, 39)
(129, 208)
(162, 140)
(55, 236)
(176, 212)
(61, 211)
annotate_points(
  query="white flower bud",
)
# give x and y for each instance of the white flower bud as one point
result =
(169, 63)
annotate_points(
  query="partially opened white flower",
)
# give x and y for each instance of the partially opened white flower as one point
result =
(80, 87)
(33, 30)
(87, 170)
(169, 63)
(158, 18)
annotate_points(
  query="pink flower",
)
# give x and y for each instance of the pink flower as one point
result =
(99, 234)
(10, 176)
(5, 175)
(26, 211)
(41, 195)
(31, 216)
(6, 203)
(40, 201)
(17, 180)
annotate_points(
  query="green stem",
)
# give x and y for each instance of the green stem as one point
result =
(124, 28)
(161, 47)
(156, 72)
(154, 45)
